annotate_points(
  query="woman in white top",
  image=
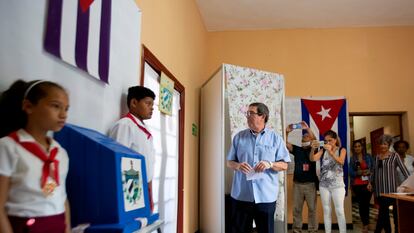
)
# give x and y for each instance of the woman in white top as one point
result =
(33, 166)
(331, 183)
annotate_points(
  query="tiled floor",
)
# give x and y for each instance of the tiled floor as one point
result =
(357, 224)
(373, 212)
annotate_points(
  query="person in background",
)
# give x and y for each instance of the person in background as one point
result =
(331, 183)
(401, 147)
(407, 186)
(132, 132)
(384, 179)
(304, 180)
(360, 171)
(33, 166)
(256, 155)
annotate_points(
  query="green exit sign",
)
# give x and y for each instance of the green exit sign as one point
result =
(194, 129)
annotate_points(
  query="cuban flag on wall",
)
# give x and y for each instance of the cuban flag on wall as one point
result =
(78, 32)
(321, 114)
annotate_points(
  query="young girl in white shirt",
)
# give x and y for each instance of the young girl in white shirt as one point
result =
(33, 166)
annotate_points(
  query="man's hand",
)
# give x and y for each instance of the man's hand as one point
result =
(315, 144)
(304, 125)
(244, 167)
(262, 166)
(289, 129)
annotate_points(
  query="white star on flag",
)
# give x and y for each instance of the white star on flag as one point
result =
(324, 112)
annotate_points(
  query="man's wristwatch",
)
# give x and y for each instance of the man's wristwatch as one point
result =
(270, 164)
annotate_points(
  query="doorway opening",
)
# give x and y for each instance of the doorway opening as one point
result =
(367, 127)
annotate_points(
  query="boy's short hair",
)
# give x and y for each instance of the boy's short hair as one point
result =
(138, 93)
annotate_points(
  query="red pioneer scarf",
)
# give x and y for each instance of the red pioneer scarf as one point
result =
(36, 150)
(129, 115)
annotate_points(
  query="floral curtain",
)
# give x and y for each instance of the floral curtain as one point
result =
(247, 85)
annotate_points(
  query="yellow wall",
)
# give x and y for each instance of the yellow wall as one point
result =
(372, 67)
(175, 33)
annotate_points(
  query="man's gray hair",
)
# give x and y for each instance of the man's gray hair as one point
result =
(262, 109)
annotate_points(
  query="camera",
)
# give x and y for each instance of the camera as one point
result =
(296, 126)
(321, 144)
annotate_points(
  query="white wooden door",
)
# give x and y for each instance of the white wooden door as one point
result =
(165, 130)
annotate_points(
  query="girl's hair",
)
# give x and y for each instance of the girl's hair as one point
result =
(333, 135)
(12, 116)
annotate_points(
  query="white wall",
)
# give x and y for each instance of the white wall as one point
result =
(212, 158)
(93, 104)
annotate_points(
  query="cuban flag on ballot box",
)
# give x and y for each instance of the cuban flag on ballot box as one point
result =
(321, 114)
(100, 37)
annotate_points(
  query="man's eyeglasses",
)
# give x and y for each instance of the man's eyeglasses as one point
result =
(251, 113)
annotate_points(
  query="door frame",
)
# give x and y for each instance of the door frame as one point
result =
(398, 114)
(150, 59)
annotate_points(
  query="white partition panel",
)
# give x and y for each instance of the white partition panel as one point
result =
(212, 156)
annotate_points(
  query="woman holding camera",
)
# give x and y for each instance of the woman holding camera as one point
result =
(331, 183)
(360, 171)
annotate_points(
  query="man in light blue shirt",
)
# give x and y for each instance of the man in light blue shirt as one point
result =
(257, 155)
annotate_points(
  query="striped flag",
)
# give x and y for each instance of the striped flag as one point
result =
(78, 32)
(321, 114)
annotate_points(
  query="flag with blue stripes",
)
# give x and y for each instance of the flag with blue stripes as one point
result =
(78, 32)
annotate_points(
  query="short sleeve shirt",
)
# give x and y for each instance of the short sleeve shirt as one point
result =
(127, 133)
(24, 169)
(251, 148)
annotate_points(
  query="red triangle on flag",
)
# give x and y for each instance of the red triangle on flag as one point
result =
(324, 112)
(84, 4)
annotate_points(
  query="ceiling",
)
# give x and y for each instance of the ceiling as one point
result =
(227, 15)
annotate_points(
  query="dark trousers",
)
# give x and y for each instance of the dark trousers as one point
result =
(48, 224)
(243, 213)
(363, 197)
(383, 221)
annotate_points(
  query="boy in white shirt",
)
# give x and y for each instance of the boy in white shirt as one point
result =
(131, 131)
